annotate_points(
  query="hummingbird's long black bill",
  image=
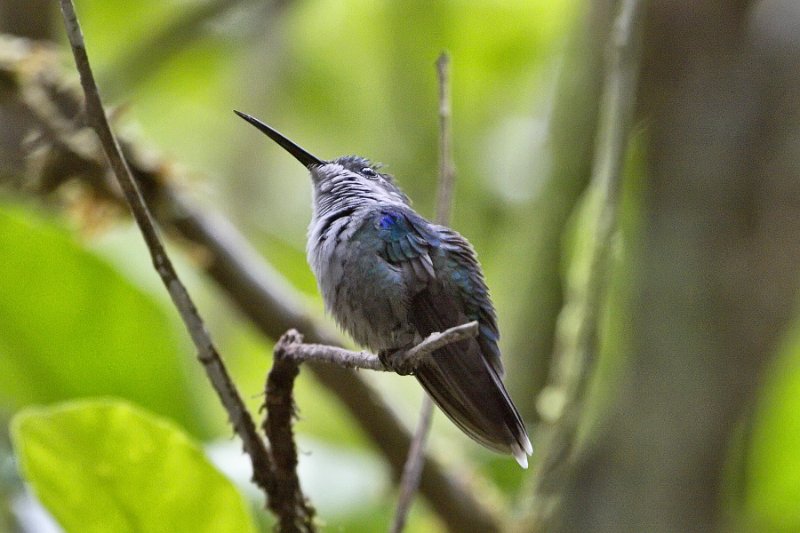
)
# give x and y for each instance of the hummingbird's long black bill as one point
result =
(308, 160)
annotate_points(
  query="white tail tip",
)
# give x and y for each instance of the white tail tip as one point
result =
(528, 446)
(521, 458)
(521, 453)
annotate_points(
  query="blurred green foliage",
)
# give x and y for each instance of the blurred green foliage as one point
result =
(73, 326)
(80, 318)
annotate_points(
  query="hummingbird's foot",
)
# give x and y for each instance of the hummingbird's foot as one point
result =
(397, 361)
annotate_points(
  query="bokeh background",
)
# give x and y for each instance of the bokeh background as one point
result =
(83, 314)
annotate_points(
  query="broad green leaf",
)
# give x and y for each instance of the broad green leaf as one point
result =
(108, 466)
(71, 325)
(773, 464)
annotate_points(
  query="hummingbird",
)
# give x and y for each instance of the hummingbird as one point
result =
(390, 278)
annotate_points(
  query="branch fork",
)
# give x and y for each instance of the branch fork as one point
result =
(286, 498)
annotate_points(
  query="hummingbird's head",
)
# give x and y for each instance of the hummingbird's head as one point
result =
(349, 177)
(355, 176)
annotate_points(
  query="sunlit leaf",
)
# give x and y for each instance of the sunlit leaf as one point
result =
(106, 465)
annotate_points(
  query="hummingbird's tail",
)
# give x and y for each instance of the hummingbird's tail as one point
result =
(467, 387)
(471, 394)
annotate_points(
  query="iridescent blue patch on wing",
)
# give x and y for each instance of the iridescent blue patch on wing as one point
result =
(388, 220)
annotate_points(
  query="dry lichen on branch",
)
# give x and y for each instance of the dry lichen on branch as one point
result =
(294, 511)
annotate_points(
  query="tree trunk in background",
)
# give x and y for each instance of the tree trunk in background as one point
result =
(718, 267)
(539, 301)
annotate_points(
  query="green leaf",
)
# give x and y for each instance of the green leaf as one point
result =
(71, 325)
(106, 465)
(773, 464)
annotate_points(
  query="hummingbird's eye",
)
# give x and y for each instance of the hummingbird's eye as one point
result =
(368, 172)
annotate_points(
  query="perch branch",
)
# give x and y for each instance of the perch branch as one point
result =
(412, 358)
(294, 511)
(207, 353)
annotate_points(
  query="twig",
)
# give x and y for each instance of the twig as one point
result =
(300, 353)
(447, 171)
(334, 355)
(294, 511)
(572, 376)
(412, 470)
(409, 482)
(206, 352)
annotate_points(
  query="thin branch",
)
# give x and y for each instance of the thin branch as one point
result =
(207, 353)
(334, 355)
(409, 481)
(571, 377)
(287, 501)
(412, 358)
(412, 470)
(447, 171)
(440, 339)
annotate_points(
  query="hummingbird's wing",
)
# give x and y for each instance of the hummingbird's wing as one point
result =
(413, 243)
(459, 264)
(447, 289)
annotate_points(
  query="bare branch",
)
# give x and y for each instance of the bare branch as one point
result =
(207, 353)
(412, 470)
(447, 171)
(411, 358)
(324, 353)
(287, 501)
(437, 340)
